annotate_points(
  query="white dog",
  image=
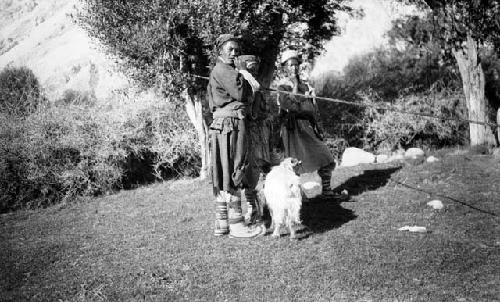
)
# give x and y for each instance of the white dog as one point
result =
(283, 196)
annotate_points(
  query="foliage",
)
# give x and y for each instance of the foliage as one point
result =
(386, 130)
(456, 19)
(63, 151)
(20, 91)
(162, 40)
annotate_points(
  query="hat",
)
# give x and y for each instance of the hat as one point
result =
(225, 38)
(289, 54)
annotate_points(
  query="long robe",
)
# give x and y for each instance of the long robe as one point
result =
(298, 129)
(228, 93)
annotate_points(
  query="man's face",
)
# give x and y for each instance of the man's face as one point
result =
(229, 51)
(292, 67)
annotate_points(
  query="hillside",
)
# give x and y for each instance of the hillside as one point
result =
(42, 36)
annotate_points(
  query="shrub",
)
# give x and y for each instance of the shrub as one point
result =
(20, 91)
(387, 130)
(60, 152)
(76, 97)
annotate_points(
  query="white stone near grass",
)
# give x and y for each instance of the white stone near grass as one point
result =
(355, 156)
(414, 153)
(415, 229)
(432, 159)
(436, 204)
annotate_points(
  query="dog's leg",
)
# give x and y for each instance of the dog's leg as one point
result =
(277, 220)
(289, 223)
(276, 233)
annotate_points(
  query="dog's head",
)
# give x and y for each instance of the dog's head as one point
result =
(292, 164)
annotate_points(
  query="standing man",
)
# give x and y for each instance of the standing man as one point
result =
(300, 132)
(229, 91)
(258, 127)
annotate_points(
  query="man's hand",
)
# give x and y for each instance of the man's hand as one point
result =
(250, 79)
(239, 64)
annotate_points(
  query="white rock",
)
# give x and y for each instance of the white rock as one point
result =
(417, 229)
(382, 158)
(311, 184)
(432, 159)
(355, 156)
(436, 204)
(414, 153)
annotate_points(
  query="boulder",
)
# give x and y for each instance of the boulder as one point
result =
(414, 153)
(355, 156)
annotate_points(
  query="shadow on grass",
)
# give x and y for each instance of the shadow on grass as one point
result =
(323, 215)
(369, 180)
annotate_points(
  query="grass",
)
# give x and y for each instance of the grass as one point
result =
(155, 243)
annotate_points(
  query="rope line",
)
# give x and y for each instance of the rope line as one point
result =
(332, 100)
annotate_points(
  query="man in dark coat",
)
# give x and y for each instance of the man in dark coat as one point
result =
(229, 90)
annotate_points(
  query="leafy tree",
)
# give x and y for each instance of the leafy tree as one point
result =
(462, 28)
(20, 91)
(160, 42)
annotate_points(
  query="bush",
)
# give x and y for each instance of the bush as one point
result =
(76, 97)
(20, 91)
(388, 130)
(60, 152)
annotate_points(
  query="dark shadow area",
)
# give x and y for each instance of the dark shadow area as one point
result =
(323, 215)
(139, 169)
(369, 180)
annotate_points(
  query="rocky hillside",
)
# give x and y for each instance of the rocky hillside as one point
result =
(42, 35)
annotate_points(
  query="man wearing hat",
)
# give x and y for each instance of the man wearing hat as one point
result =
(301, 135)
(229, 91)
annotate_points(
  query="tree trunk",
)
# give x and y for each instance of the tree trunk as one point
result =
(473, 85)
(498, 125)
(194, 111)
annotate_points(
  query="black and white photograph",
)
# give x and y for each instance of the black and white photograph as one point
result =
(239, 150)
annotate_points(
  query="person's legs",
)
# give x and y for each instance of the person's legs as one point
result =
(221, 215)
(237, 227)
(326, 181)
(219, 162)
(326, 176)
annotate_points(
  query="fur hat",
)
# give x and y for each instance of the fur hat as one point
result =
(290, 54)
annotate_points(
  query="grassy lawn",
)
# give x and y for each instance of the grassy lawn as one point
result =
(155, 243)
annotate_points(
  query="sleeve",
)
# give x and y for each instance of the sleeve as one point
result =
(228, 86)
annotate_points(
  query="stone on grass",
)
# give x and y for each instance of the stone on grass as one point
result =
(432, 159)
(436, 204)
(414, 153)
(416, 229)
(311, 184)
(355, 156)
